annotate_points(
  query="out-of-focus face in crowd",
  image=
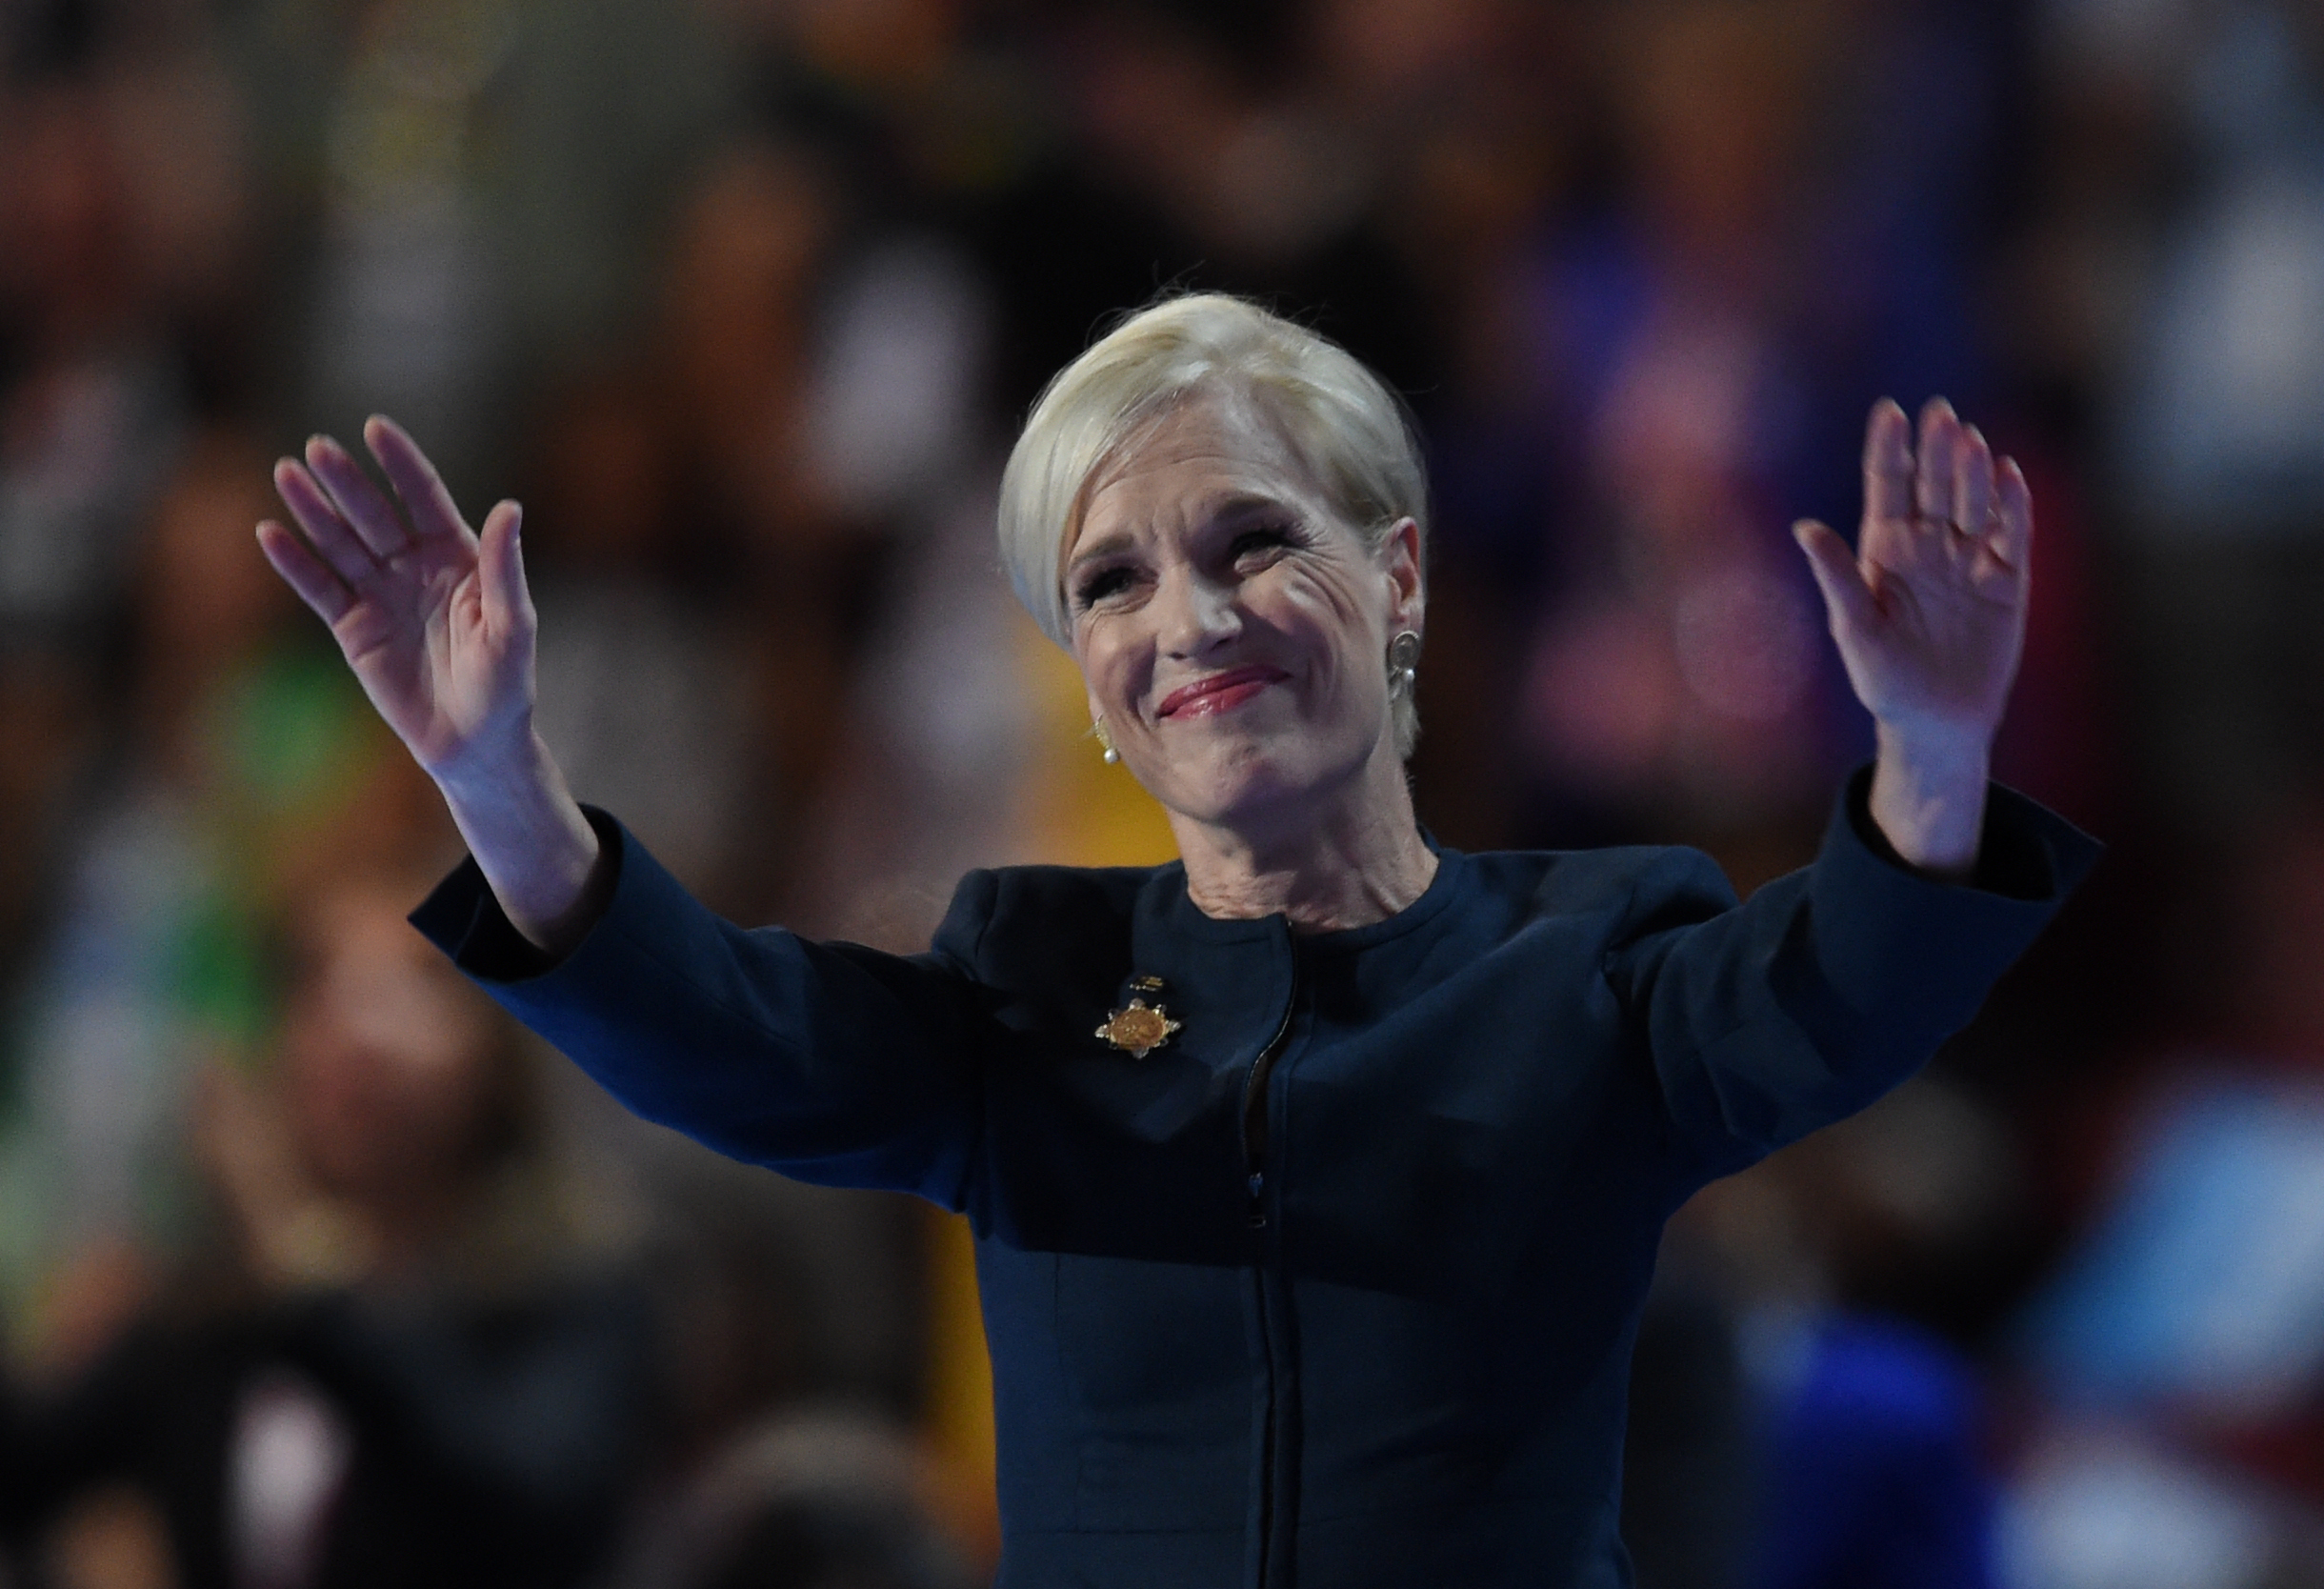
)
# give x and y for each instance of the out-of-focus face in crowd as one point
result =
(58, 210)
(393, 1076)
(206, 601)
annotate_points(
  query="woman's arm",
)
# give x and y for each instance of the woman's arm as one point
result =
(826, 1061)
(831, 1063)
(438, 626)
(1767, 1020)
(1928, 612)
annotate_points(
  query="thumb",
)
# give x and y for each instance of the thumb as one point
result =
(500, 566)
(1846, 597)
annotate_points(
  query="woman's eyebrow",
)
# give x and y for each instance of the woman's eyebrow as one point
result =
(1104, 546)
(1247, 505)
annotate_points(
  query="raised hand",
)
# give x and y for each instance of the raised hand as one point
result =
(1928, 612)
(437, 625)
(434, 619)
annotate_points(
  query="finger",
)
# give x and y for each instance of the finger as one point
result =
(1940, 437)
(1888, 462)
(305, 573)
(1847, 598)
(329, 533)
(416, 482)
(1972, 484)
(500, 566)
(2013, 542)
(363, 506)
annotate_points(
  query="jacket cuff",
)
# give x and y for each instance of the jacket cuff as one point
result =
(2026, 851)
(1878, 918)
(463, 918)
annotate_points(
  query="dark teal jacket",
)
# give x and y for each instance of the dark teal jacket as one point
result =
(1336, 1288)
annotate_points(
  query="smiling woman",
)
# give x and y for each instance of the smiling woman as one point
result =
(1317, 1177)
(1220, 515)
(1234, 628)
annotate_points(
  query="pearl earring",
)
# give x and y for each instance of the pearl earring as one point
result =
(1112, 758)
(1403, 664)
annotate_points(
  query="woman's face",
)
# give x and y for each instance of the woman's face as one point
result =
(1232, 627)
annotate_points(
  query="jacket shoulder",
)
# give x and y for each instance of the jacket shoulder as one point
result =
(1016, 909)
(1633, 887)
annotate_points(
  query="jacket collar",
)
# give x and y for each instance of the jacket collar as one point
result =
(1165, 905)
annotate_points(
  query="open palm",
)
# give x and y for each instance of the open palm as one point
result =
(1929, 610)
(434, 618)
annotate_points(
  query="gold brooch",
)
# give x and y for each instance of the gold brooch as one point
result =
(1139, 1030)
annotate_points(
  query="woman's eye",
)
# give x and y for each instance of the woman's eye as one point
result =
(1267, 538)
(1104, 583)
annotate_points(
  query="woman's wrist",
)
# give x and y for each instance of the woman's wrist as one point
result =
(533, 842)
(1927, 799)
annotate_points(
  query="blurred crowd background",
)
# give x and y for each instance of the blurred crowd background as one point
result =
(313, 1273)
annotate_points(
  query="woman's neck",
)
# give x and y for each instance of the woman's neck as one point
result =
(1356, 860)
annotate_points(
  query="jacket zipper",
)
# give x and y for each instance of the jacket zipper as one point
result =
(1255, 1104)
(1254, 1159)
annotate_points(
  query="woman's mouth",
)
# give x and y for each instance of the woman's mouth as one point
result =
(1221, 692)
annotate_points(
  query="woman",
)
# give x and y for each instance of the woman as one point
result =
(1316, 1177)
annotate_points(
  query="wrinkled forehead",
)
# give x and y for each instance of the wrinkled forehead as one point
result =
(1211, 450)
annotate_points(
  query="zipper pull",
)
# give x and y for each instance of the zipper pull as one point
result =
(1259, 1214)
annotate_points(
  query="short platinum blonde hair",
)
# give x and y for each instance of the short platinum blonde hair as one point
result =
(1348, 430)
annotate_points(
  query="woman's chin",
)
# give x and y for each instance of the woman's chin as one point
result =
(1251, 783)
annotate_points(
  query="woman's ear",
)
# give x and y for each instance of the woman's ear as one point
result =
(1407, 585)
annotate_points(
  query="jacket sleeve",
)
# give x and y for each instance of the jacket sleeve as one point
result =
(1767, 1020)
(830, 1062)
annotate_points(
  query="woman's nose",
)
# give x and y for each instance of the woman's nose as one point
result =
(1198, 614)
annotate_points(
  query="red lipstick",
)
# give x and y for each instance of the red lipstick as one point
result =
(1220, 691)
